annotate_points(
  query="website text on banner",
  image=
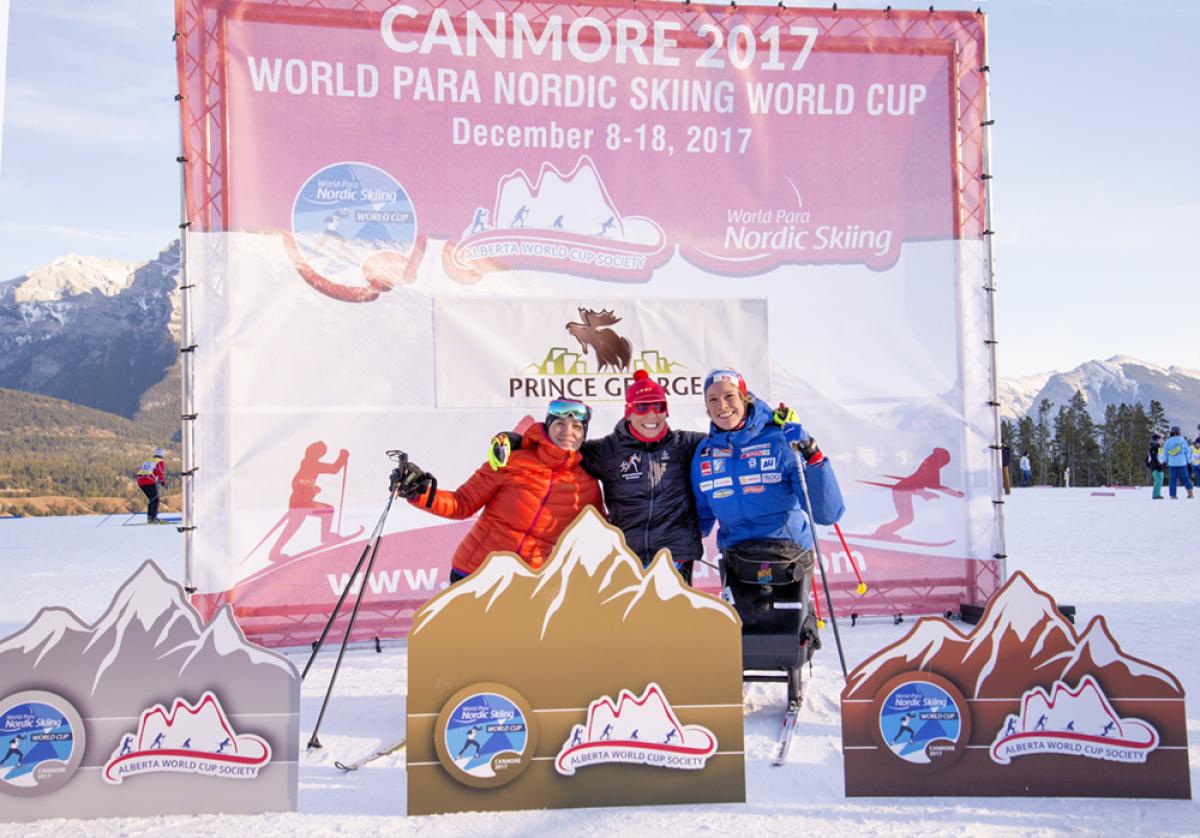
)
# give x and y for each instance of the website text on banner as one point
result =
(404, 217)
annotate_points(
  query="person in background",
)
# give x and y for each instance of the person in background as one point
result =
(1154, 462)
(1026, 470)
(1178, 453)
(152, 479)
(527, 505)
(1196, 462)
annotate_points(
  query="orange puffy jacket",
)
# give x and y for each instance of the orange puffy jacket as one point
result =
(526, 505)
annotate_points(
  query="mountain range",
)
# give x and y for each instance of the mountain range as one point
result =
(1112, 381)
(99, 333)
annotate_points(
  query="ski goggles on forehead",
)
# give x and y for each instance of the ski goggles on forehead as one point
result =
(563, 409)
(642, 408)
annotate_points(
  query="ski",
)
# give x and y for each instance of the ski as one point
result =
(371, 757)
(785, 736)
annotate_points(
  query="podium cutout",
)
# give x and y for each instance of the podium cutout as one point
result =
(1022, 705)
(576, 685)
(148, 711)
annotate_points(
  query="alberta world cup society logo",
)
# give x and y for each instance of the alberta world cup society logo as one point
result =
(187, 739)
(638, 729)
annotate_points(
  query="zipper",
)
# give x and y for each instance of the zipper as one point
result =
(536, 515)
(650, 514)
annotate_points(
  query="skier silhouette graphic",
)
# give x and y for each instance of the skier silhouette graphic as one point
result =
(904, 728)
(519, 219)
(1108, 727)
(187, 744)
(670, 735)
(303, 504)
(922, 483)
(158, 741)
(14, 750)
(471, 742)
(1070, 725)
(221, 748)
(128, 746)
(607, 732)
(607, 225)
(577, 739)
(479, 225)
(1041, 723)
(1012, 727)
(634, 734)
(332, 244)
(558, 223)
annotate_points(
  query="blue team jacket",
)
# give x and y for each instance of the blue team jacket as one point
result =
(748, 481)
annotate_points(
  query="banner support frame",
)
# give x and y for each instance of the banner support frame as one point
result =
(988, 234)
(186, 351)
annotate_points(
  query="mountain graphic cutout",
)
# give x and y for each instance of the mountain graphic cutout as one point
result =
(590, 640)
(1021, 641)
(149, 634)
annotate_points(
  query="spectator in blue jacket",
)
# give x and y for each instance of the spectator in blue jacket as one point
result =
(745, 474)
(1178, 453)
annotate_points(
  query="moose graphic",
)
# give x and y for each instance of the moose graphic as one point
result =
(612, 350)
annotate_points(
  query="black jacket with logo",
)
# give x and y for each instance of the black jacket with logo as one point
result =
(648, 490)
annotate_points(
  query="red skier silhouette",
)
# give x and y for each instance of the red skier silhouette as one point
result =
(923, 483)
(303, 502)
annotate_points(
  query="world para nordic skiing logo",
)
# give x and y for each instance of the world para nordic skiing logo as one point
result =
(485, 735)
(641, 730)
(41, 743)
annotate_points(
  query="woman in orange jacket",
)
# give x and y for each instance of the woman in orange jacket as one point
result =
(527, 505)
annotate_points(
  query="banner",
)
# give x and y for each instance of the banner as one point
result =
(414, 224)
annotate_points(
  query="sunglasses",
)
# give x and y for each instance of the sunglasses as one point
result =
(642, 408)
(562, 409)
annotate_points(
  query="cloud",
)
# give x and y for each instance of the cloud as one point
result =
(108, 116)
(59, 231)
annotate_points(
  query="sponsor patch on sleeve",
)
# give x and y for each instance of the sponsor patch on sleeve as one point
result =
(718, 466)
(722, 452)
(753, 490)
(705, 485)
(721, 482)
(750, 479)
(767, 463)
(723, 493)
(772, 477)
(705, 467)
(756, 451)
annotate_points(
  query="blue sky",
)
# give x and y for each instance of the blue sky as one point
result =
(1094, 155)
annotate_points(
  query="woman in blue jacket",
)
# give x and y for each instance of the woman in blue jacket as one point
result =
(745, 475)
(747, 480)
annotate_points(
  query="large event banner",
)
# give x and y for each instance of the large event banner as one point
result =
(414, 224)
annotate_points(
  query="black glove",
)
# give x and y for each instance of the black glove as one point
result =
(410, 482)
(809, 451)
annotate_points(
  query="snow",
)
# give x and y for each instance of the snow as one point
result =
(1126, 557)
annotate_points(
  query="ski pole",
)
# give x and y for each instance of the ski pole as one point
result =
(812, 526)
(817, 604)
(342, 499)
(862, 586)
(313, 741)
(402, 459)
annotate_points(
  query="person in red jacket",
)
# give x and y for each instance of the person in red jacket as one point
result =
(527, 505)
(150, 476)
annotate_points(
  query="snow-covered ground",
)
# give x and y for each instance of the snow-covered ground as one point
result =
(1129, 558)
